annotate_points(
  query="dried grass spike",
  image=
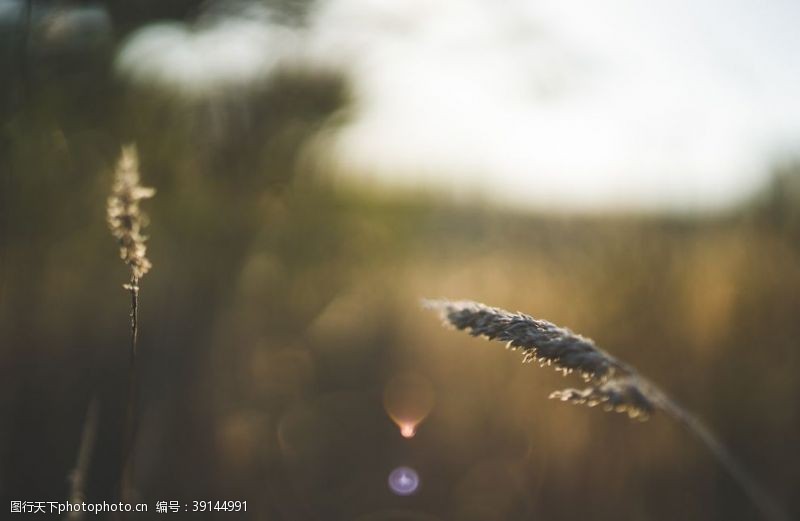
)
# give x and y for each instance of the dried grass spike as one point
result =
(126, 221)
(620, 395)
(538, 340)
(125, 218)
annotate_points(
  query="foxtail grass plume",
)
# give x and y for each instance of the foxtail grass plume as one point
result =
(610, 383)
(125, 218)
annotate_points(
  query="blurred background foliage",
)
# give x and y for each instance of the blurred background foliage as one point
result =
(283, 299)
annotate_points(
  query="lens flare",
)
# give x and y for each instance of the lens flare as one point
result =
(408, 399)
(403, 481)
(408, 430)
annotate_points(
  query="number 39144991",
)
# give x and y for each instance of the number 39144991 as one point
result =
(219, 506)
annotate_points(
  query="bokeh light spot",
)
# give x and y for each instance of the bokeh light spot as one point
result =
(403, 481)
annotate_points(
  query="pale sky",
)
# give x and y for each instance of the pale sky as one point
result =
(550, 104)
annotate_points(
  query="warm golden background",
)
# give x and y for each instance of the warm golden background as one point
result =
(284, 298)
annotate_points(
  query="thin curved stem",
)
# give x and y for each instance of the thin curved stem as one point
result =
(760, 498)
(79, 475)
(131, 416)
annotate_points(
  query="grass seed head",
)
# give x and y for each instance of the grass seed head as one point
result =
(612, 384)
(125, 218)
